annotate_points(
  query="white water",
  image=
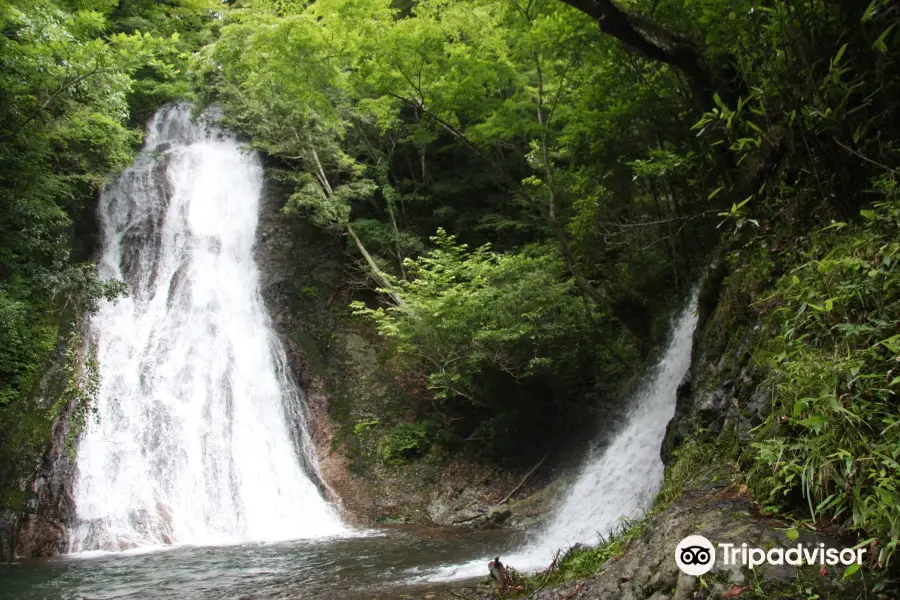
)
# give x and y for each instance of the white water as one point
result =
(201, 436)
(618, 482)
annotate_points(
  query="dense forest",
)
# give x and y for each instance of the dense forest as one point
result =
(525, 190)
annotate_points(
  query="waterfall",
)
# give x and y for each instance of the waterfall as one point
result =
(620, 481)
(201, 435)
(617, 482)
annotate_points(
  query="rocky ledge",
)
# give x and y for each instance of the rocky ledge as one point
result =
(645, 569)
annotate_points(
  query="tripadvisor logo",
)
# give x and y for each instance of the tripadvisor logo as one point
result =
(695, 555)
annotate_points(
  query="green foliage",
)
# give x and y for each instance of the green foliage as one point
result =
(62, 132)
(361, 427)
(186, 25)
(408, 441)
(581, 562)
(833, 436)
(692, 463)
(468, 312)
(309, 292)
(80, 375)
(24, 347)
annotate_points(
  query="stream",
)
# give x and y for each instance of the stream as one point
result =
(199, 479)
(353, 568)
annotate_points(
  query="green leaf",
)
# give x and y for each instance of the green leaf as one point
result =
(851, 569)
(813, 422)
(868, 214)
(879, 43)
(719, 102)
(792, 534)
(836, 225)
(869, 14)
(840, 53)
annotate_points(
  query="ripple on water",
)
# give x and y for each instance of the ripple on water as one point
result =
(372, 566)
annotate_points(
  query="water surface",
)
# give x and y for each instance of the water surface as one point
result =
(379, 566)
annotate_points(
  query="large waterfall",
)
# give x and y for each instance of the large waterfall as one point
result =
(616, 482)
(201, 436)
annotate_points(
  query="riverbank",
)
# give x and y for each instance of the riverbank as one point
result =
(639, 563)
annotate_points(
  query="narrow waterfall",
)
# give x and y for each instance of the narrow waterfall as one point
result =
(201, 436)
(620, 481)
(616, 482)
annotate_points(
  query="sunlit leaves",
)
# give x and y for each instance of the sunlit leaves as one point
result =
(472, 311)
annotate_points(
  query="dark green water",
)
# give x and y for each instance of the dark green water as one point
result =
(372, 567)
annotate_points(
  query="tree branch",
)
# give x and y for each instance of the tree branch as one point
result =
(653, 42)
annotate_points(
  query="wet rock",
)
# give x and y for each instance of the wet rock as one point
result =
(41, 536)
(494, 517)
(8, 522)
(466, 515)
(39, 526)
(679, 426)
(647, 570)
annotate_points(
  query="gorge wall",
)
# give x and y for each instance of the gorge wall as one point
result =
(356, 394)
(36, 522)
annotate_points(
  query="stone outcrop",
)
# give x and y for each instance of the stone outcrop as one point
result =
(40, 526)
(646, 569)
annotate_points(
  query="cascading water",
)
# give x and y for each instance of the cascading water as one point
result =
(619, 481)
(201, 435)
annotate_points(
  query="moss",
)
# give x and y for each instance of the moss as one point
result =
(581, 562)
(407, 441)
(702, 459)
(60, 388)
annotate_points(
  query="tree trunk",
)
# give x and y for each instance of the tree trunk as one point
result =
(581, 281)
(373, 266)
(397, 249)
(665, 226)
(655, 43)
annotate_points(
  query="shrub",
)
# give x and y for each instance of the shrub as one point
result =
(408, 440)
(833, 436)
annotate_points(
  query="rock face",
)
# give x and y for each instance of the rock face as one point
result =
(723, 388)
(40, 527)
(354, 394)
(43, 529)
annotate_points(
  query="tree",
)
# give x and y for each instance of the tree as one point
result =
(654, 42)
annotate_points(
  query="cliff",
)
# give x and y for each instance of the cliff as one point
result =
(358, 396)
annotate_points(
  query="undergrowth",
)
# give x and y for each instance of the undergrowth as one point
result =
(408, 440)
(697, 461)
(579, 561)
(831, 443)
